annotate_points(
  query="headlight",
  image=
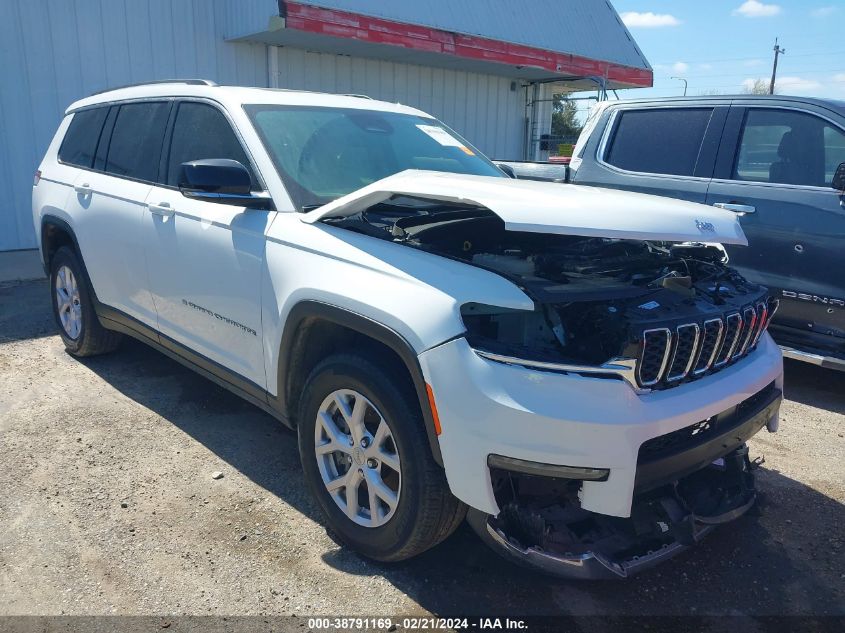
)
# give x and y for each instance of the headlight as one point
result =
(535, 339)
(535, 335)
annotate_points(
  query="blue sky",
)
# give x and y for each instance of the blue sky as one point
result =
(719, 45)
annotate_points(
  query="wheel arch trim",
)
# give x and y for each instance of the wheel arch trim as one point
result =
(311, 309)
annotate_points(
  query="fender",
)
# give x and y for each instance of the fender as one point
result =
(45, 261)
(318, 310)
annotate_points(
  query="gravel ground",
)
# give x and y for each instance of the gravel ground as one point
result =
(109, 506)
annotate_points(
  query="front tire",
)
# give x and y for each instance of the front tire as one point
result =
(366, 460)
(73, 308)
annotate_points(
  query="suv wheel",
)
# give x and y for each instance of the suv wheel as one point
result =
(366, 460)
(79, 327)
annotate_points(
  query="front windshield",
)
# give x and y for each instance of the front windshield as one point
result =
(325, 153)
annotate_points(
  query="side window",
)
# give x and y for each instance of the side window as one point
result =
(788, 147)
(201, 131)
(105, 137)
(135, 148)
(834, 151)
(80, 142)
(658, 141)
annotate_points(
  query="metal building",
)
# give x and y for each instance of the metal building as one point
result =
(488, 68)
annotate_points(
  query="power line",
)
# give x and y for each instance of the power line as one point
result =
(740, 59)
(749, 71)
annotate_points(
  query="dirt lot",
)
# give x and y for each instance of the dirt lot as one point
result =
(108, 506)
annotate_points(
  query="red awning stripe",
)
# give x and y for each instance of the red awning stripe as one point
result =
(343, 24)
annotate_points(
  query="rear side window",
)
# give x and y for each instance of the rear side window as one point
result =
(201, 131)
(135, 148)
(658, 141)
(80, 142)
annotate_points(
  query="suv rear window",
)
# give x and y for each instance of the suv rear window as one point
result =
(658, 141)
(135, 148)
(80, 141)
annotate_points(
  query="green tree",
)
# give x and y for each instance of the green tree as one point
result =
(565, 125)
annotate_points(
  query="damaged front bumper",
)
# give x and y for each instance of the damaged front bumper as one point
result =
(557, 540)
(682, 493)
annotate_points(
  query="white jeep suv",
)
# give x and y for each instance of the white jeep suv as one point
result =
(577, 368)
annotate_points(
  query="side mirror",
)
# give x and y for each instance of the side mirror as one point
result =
(220, 180)
(507, 169)
(839, 178)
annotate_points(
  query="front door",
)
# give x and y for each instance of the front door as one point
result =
(205, 260)
(778, 179)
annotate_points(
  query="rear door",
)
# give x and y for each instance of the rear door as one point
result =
(776, 165)
(205, 259)
(666, 150)
(107, 205)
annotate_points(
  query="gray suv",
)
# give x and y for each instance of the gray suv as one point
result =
(778, 162)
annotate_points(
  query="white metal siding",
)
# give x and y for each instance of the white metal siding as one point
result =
(482, 108)
(53, 52)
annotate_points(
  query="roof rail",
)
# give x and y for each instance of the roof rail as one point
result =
(190, 82)
(348, 94)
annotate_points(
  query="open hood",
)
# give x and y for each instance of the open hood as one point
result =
(547, 207)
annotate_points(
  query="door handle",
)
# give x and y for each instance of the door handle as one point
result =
(163, 209)
(84, 188)
(739, 209)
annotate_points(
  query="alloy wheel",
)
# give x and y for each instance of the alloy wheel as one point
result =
(68, 302)
(357, 458)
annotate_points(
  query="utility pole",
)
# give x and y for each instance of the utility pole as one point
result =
(685, 83)
(778, 51)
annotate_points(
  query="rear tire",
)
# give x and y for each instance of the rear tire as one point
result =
(334, 455)
(73, 308)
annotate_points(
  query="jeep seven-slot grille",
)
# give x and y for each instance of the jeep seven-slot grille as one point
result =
(690, 350)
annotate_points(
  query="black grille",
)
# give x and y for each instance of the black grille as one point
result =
(733, 329)
(686, 339)
(668, 357)
(655, 351)
(761, 311)
(749, 321)
(710, 339)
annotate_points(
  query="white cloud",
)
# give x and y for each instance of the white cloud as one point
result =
(751, 63)
(839, 77)
(680, 67)
(705, 66)
(756, 9)
(788, 85)
(648, 20)
(823, 12)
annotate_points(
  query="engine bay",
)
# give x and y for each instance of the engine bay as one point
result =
(594, 297)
